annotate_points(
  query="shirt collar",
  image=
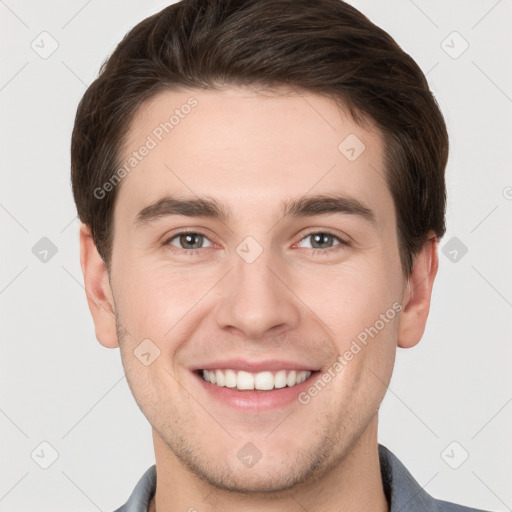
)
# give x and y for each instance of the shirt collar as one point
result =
(402, 491)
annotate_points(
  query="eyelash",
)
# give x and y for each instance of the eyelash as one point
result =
(324, 252)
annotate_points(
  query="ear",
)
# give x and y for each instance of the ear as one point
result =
(416, 303)
(97, 289)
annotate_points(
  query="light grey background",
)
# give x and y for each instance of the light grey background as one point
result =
(59, 386)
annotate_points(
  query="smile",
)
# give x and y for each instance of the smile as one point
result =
(263, 381)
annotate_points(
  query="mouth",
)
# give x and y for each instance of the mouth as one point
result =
(248, 381)
(256, 388)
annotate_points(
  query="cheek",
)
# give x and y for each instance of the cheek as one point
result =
(148, 384)
(351, 298)
(153, 300)
(360, 308)
(365, 336)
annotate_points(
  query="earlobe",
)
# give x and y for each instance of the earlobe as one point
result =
(98, 291)
(413, 317)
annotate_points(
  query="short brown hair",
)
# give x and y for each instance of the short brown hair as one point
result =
(323, 46)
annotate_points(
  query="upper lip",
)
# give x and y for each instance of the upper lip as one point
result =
(239, 364)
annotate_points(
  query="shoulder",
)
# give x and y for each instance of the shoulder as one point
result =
(447, 506)
(405, 493)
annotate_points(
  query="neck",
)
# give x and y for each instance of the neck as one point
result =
(353, 483)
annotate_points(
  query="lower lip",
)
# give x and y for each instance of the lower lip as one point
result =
(256, 400)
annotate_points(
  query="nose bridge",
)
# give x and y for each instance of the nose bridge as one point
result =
(255, 299)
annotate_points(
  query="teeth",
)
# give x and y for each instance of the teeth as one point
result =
(280, 379)
(219, 378)
(244, 380)
(230, 379)
(264, 381)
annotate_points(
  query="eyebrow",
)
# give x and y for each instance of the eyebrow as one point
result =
(305, 206)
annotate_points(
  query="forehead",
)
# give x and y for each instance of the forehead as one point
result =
(249, 149)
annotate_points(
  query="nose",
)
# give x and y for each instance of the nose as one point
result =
(256, 300)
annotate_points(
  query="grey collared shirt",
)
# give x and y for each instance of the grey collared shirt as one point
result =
(402, 491)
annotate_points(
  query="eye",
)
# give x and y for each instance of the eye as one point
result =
(323, 240)
(188, 241)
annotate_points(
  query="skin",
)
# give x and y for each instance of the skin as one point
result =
(251, 151)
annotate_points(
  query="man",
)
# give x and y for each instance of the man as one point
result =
(261, 187)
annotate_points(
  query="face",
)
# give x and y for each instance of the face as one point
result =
(256, 239)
